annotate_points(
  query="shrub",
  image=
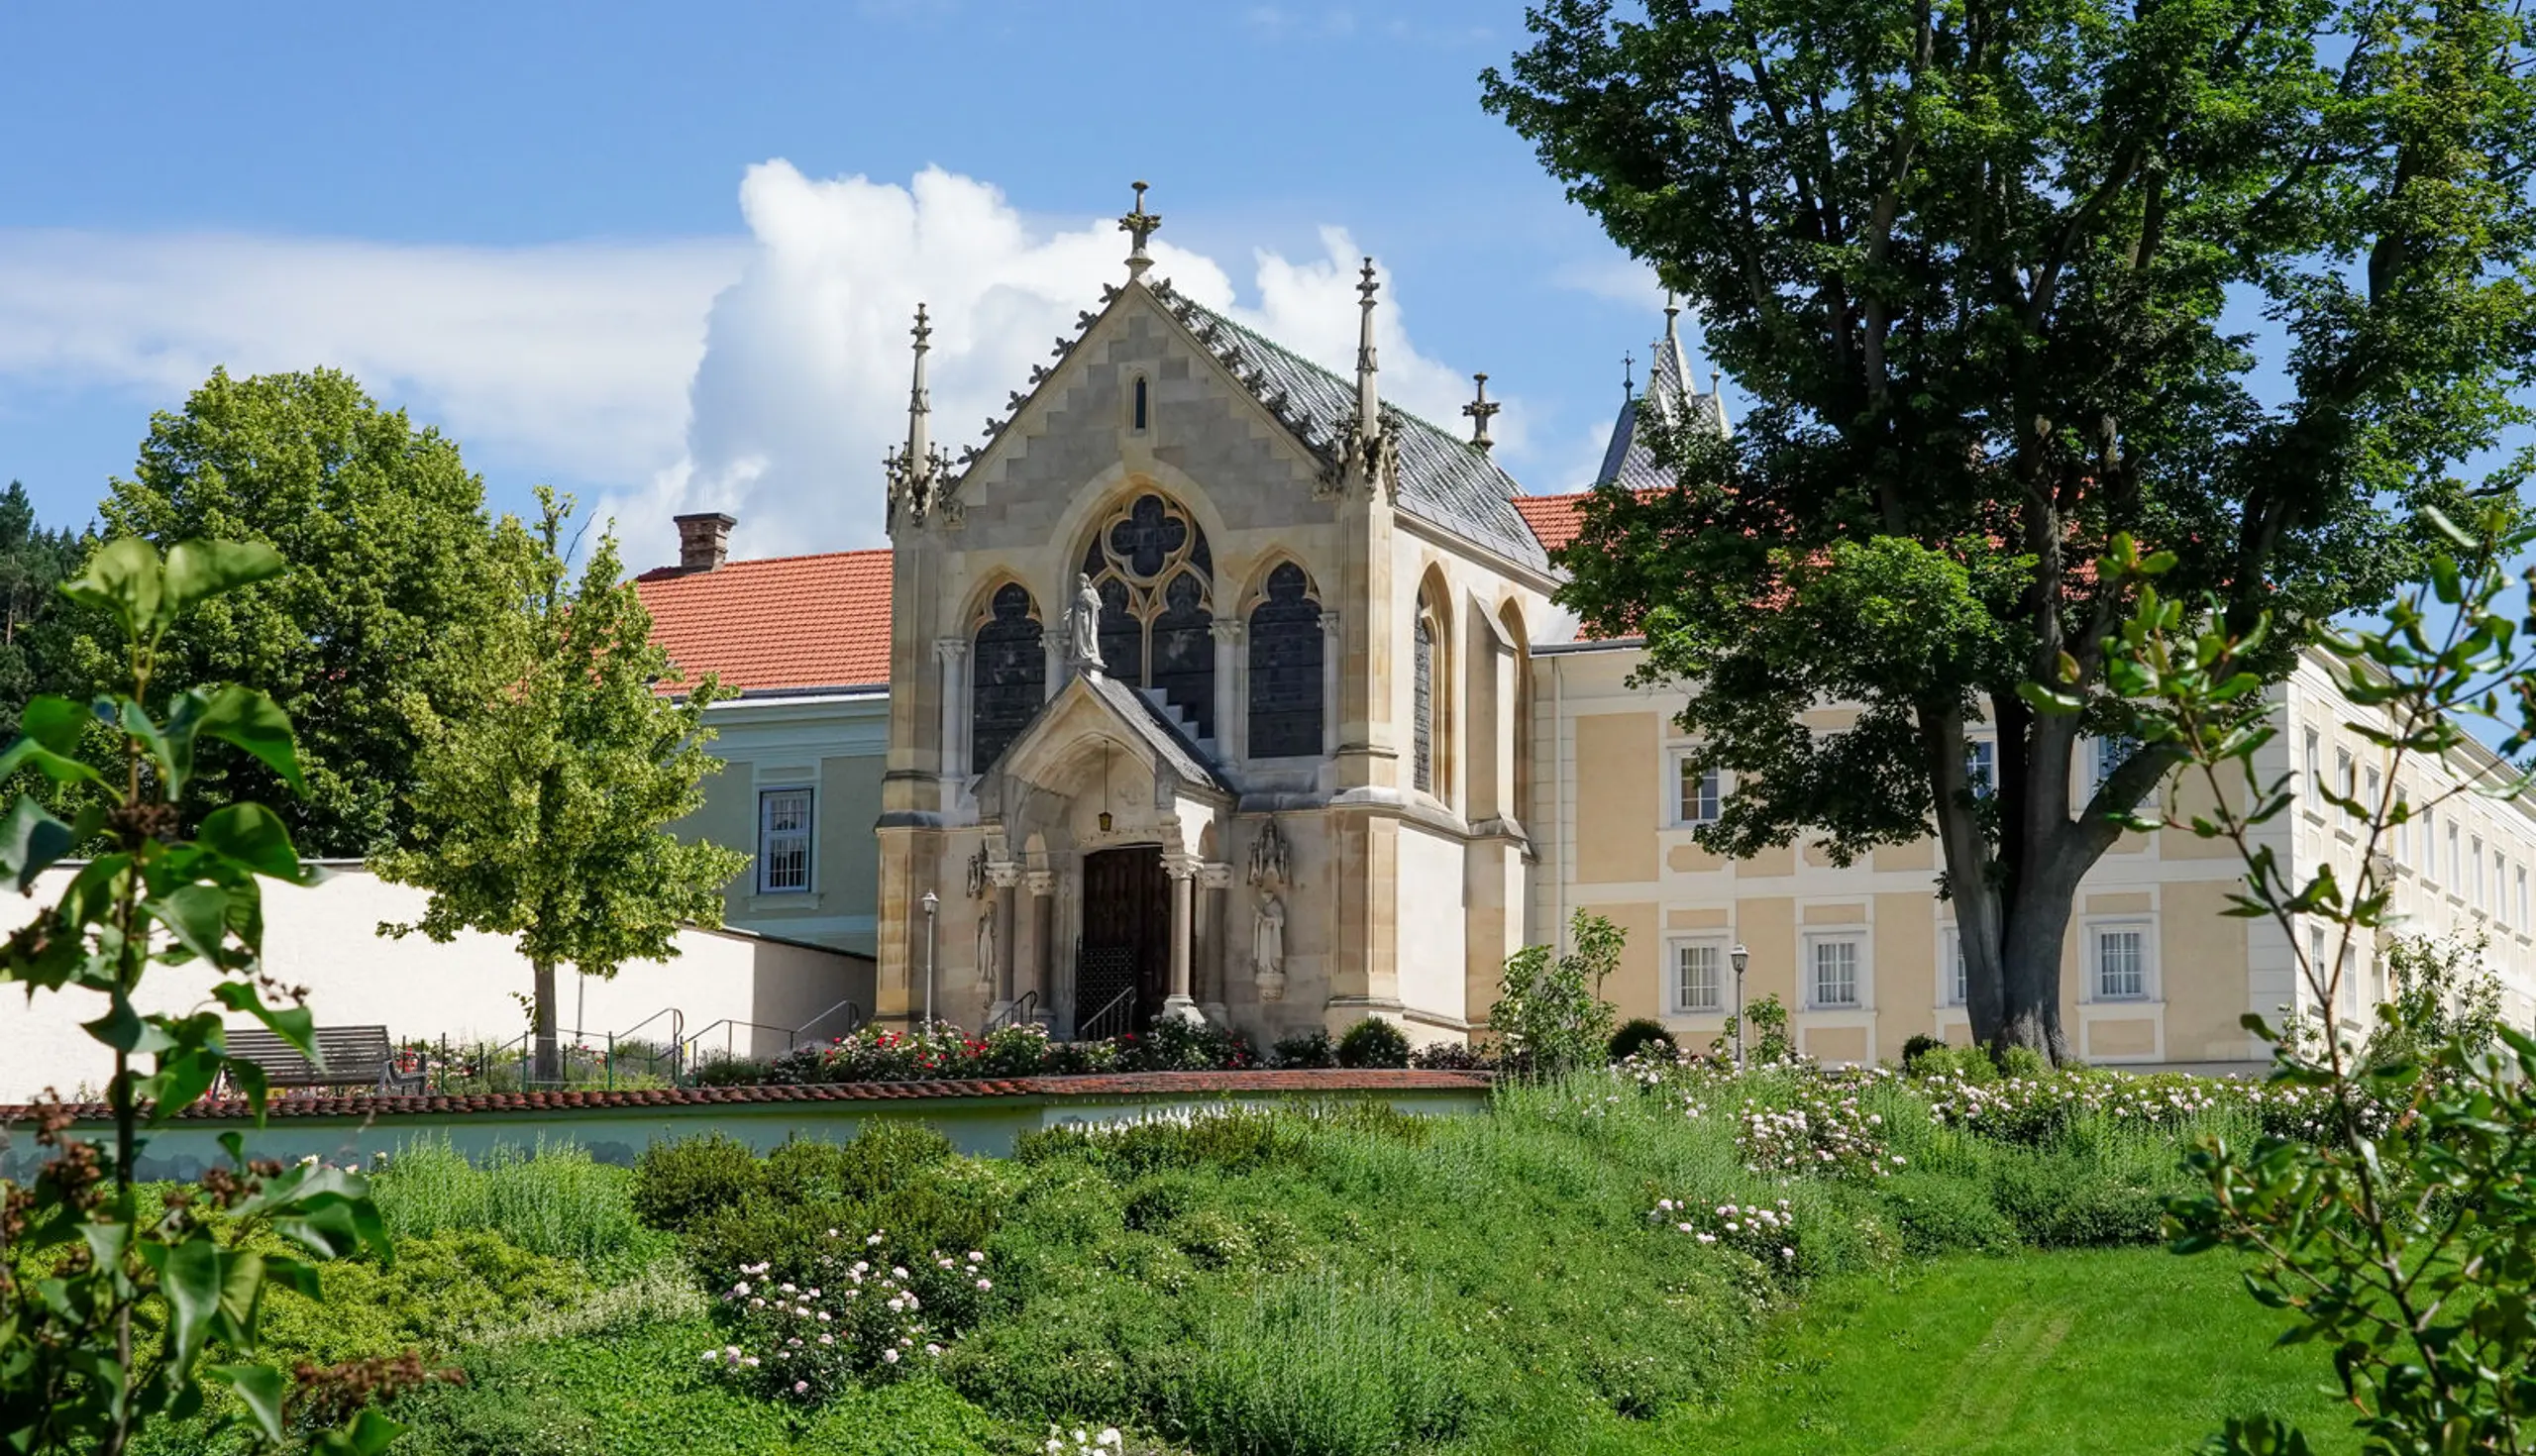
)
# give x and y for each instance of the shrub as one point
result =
(678, 1183)
(1971, 1065)
(1940, 1214)
(1919, 1045)
(1315, 1365)
(1447, 1056)
(496, 1413)
(1184, 1045)
(2024, 1062)
(1638, 1034)
(2068, 1200)
(866, 1309)
(1373, 1042)
(732, 1071)
(1311, 1048)
(1551, 1014)
(442, 1291)
(551, 1201)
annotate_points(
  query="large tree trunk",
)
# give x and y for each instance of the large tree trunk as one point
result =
(548, 1059)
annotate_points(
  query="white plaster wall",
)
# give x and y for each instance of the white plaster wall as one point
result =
(1431, 929)
(326, 939)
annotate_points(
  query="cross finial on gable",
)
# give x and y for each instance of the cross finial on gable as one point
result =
(1139, 225)
(1628, 376)
(922, 330)
(1479, 410)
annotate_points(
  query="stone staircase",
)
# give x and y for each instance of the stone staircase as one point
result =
(1178, 719)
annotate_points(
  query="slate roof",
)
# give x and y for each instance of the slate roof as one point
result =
(1444, 479)
(790, 622)
(1628, 458)
(1117, 1084)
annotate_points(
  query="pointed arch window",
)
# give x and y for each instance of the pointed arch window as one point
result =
(1137, 413)
(1011, 674)
(1285, 645)
(1156, 579)
(1421, 705)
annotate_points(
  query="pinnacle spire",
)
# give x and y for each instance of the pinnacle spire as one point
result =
(1368, 404)
(1480, 409)
(919, 401)
(918, 472)
(1139, 225)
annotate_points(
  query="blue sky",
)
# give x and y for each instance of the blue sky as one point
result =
(518, 220)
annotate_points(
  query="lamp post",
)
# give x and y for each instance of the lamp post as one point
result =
(1742, 958)
(932, 910)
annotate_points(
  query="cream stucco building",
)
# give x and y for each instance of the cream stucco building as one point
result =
(1212, 685)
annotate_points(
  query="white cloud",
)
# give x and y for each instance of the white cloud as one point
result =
(764, 375)
(575, 356)
(1616, 276)
(803, 382)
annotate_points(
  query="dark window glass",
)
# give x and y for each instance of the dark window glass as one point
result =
(1284, 668)
(1151, 566)
(1184, 652)
(1140, 402)
(1012, 676)
(1422, 708)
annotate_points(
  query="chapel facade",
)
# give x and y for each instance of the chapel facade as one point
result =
(1208, 682)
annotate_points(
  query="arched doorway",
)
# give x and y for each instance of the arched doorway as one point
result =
(1122, 969)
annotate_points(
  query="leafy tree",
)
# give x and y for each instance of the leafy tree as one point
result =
(393, 558)
(115, 1311)
(34, 562)
(1975, 260)
(2399, 1236)
(1550, 1017)
(542, 809)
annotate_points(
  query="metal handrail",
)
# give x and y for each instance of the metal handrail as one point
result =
(726, 1026)
(1096, 1028)
(1024, 1007)
(677, 1038)
(853, 1021)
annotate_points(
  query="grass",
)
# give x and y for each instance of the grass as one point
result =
(551, 1201)
(2130, 1350)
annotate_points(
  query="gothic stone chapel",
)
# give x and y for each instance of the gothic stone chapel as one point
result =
(1207, 677)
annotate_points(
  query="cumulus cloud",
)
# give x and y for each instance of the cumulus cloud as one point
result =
(764, 375)
(577, 356)
(804, 383)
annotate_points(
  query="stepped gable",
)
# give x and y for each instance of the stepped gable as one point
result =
(1444, 479)
(785, 623)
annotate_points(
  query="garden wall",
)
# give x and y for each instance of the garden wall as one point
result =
(979, 1118)
(327, 939)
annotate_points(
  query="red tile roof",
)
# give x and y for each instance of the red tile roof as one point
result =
(1555, 519)
(1116, 1085)
(796, 621)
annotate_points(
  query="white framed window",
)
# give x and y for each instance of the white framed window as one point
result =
(1981, 767)
(2316, 950)
(1835, 972)
(2121, 953)
(2456, 877)
(784, 841)
(2315, 765)
(2347, 988)
(1954, 987)
(2344, 783)
(2111, 753)
(1696, 794)
(2477, 851)
(2405, 827)
(2500, 887)
(1699, 976)
(2522, 897)
(2375, 784)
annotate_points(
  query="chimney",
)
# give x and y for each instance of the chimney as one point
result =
(703, 539)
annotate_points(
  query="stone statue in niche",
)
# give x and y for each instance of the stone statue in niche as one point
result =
(1083, 627)
(986, 947)
(977, 875)
(1268, 858)
(1268, 948)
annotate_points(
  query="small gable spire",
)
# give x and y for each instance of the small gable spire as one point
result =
(1139, 225)
(917, 472)
(1479, 410)
(1368, 405)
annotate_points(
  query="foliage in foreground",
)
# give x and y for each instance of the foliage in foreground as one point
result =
(116, 1311)
(2399, 1234)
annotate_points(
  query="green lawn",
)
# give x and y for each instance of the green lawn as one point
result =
(2124, 1350)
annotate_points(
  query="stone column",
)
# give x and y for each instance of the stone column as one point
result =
(1180, 1006)
(1333, 649)
(1231, 738)
(953, 654)
(1004, 874)
(1054, 645)
(1042, 884)
(1215, 969)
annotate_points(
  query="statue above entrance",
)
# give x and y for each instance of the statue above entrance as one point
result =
(1083, 627)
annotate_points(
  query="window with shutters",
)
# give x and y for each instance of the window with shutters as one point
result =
(784, 841)
(1286, 664)
(1011, 673)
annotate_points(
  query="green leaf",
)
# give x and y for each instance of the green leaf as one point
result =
(254, 836)
(260, 1386)
(55, 722)
(31, 841)
(197, 915)
(124, 578)
(254, 722)
(296, 1025)
(25, 753)
(367, 1436)
(125, 1029)
(190, 1278)
(2044, 701)
(197, 569)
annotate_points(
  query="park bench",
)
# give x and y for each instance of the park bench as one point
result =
(353, 1056)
